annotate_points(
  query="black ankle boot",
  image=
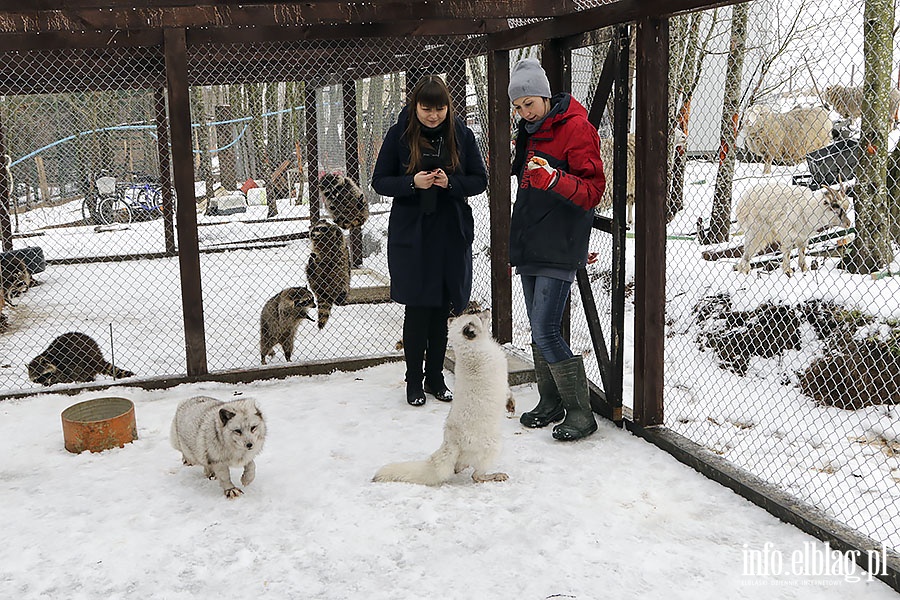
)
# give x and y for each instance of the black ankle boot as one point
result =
(439, 391)
(415, 395)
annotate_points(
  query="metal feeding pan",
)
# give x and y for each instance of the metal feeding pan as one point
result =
(99, 424)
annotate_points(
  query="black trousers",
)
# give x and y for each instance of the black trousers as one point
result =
(425, 340)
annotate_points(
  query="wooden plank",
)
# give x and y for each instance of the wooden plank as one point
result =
(499, 193)
(55, 40)
(604, 86)
(523, 7)
(351, 160)
(621, 126)
(14, 19)
(595, 329)
(186, 211)
(142, 68)
(399, 29)
(612, 13)
(311, 133)
(651, 133)
(7, 194)
(165, 162)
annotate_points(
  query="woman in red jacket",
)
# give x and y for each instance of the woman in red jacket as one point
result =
(561, 180)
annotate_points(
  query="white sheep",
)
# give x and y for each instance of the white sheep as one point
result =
(770, 211)
(847, 101)
(785, 137)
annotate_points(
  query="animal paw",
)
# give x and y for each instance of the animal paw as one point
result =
(234, 492)
(483, 477)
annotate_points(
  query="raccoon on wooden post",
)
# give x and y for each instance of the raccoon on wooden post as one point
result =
(279, 319)
(344, 200)
(71, 357)
(328, 269)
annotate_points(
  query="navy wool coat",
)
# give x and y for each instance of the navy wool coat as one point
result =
(430, 255)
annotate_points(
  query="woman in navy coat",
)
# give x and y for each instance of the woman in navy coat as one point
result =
(430, 164)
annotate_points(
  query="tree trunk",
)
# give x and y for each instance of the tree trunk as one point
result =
(871, 250)
(720, 216)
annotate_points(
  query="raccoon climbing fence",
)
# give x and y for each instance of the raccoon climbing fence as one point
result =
(303, 105)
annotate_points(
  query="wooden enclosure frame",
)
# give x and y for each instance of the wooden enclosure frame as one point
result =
(177, 27)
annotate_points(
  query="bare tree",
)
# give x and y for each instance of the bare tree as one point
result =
(689, 49)
(871, 250)
(720, 216)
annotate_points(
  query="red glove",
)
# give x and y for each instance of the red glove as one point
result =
(541, 174)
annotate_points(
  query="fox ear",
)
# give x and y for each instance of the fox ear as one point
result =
(225, 415)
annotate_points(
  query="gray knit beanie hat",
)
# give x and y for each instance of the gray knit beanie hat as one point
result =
(528, 79)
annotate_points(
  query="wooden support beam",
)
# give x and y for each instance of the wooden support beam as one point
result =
(7, 194)
(611, 13)
(351, 160)
(16, 19)
(311, 131)
(621, 126)
(522, 8)
(499, 193)
(456, 81)
(651, 135)
(186, 213)
(165, 163)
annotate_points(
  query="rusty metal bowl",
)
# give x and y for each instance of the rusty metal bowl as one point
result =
(99, 424)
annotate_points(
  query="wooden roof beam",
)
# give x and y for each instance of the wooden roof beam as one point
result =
(613, 13)
(17, 20)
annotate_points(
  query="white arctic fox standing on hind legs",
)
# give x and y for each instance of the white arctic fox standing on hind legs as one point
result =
(480, 397)
(218, 435)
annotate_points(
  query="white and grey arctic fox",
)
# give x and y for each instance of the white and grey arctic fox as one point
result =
(472, 429)
(219, 435)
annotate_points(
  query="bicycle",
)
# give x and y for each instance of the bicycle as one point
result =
(124, 202)
(103, 188)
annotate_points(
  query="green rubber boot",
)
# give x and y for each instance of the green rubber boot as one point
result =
(572, 383)
(549, 408)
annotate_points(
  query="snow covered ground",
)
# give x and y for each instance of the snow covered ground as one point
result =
(607, 517)
(427, 543)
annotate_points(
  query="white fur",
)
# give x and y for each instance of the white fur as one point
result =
(847, 101)
(219, 435)
(472, 429)
(786, 137)
(770, 211)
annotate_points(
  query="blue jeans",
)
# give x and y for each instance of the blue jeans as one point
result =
(545, 300)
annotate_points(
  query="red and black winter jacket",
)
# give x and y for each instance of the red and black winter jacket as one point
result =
(551, 228)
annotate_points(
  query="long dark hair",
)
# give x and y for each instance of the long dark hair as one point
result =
(429, 91)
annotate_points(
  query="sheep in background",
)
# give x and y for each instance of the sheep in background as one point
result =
(785, 137)
(847, 101)
(770, 211)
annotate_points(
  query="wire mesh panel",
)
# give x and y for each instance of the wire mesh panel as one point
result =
(782, 351)
(86, 194)
(304, 121)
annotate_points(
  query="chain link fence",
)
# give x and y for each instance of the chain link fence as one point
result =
(279, 129)
(788, 365)
(789, 376)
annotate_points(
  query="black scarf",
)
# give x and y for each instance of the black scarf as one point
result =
(435, 153)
